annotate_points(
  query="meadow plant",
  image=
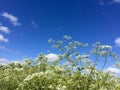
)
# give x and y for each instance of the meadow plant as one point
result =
(73, 70)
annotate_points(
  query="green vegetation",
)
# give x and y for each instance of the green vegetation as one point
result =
(73, 70)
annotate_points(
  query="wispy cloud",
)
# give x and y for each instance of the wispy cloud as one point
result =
(101, 2)
(13, 19)
(3, 39)
(117, 41)
(52, 57)
(35, 25)
(2, 47)
(108, 2)
(4, 61)
(116, 1)
(4, 29)
(6, 49)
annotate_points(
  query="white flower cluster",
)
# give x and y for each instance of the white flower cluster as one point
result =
(50, 40)
(103, 53)
(105, 47)
(60, 87)
(82, 56)
(67, 37)
(58, 68)
(29, 77)
(19, 69)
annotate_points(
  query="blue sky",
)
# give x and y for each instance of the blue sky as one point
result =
(26, 26)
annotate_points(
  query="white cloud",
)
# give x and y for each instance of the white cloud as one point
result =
(117, 41)
(17, 61)
(3, 39)
(52, 57)
(116, 1)
(4, 61)
(113, 70)
(11, 18)
(4, 29)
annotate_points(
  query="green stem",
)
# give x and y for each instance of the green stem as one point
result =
(104, 62)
